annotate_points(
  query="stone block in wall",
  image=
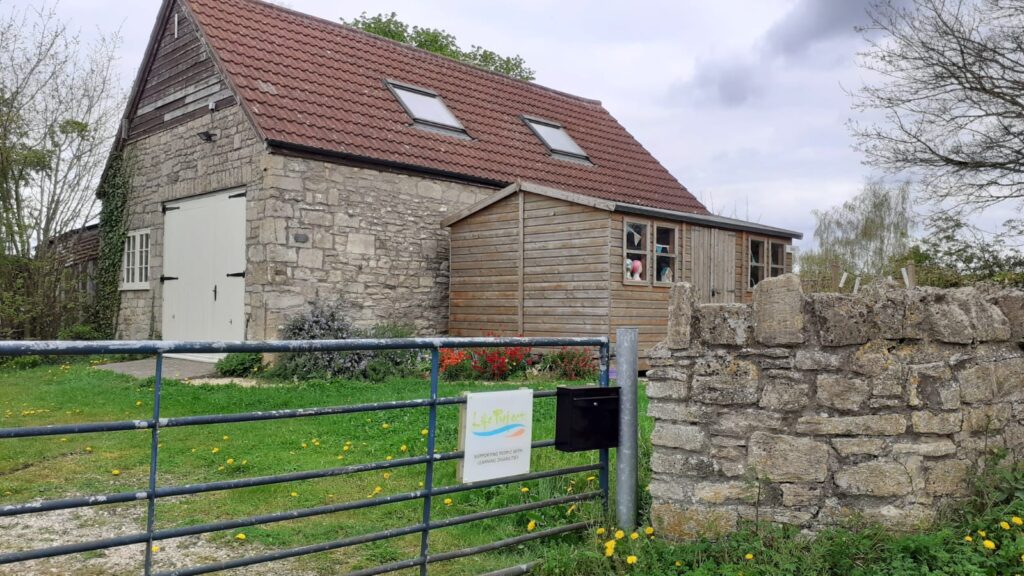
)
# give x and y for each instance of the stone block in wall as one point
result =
(876, 478)
(724, 324)
(731, 382)
(817, 360)
(842, 320)
(668, 382)
(933, 386)
(802, 494)
(675, 463)
(977, 383)
(742, 422)
(730, 461)
(842, 392)
(962, 316)
(777, 515)
(928, 448)
(784, 395)
(680, 315)
(900, 517)
(947, 478)
(1011, 304)
(874, 425)
(937, 422)
(681, 522)
(889, 384)
(682, 436)
(680, 412)
(722, 492)
(987, 419)
(778, 311)
(847, 447)
(872, 359)
(1008, 374)
(781, 458)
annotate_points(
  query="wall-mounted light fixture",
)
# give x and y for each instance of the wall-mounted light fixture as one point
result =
(207, 136)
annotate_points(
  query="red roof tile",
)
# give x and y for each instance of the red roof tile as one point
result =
(319, 84)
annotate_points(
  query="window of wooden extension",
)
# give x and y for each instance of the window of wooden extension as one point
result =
(636, 247)
(777, 259)
(666, 249)
(756, 268)
(135, 262)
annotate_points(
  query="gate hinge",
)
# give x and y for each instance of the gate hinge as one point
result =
(237, 275)
(166, 278)
(167, 209)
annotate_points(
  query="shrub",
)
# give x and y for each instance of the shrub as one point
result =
(499, 363)
(240, 364)
(456, 365)
(570, 364)
(384, 364)
(79, 332)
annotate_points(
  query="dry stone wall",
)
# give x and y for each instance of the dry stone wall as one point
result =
(812, 409)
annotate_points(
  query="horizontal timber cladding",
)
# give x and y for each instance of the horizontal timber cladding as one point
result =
(485, 291)
(565, 250)
(181, 81)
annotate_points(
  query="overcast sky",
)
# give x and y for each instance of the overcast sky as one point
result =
(744, 101)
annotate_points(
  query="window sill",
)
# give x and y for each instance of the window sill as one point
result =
(636, 283)
(134, 287)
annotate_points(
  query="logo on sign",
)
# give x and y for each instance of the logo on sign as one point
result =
(499, 423)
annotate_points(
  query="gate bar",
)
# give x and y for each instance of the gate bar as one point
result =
(428, 501)
(154, 454)
(626, 454)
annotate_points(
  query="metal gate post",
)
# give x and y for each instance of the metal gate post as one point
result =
(627, 453)
(435, 376)
(154, 457)
(603, 455)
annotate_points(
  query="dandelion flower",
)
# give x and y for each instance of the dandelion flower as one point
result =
(619, 534)
(421, 484)
(982, 533)
(341, 456)
(989, 545)
(387, 475)
(385, 425)
(1004, 525)
(88, 448)
(1017, 520)
(404, 448)
(748, 556)
(531, 526)
(244, 462)
(524, 490)
(600, 531)
(591, 478)
(294, 494)
(115, 472)
(424, 432)
(138, 402)
(344, 448)
(240, 536)
(304, 445)
(220, 468)
(63, 439)
(447, 501)
(389, 458)
(230, 461)
(649, 530)
(634, 536)
(156, 548)
(679, 563)
(631, 559)
(215, 450)
(968, 538)
(609, 548)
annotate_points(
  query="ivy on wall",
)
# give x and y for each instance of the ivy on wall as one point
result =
(113, 193)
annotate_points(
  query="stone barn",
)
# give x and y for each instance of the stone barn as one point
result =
(277, 159)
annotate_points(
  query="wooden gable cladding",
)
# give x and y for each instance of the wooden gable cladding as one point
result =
(180, 80)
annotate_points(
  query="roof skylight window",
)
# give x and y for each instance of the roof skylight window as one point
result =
(425, 107)
(555, 138)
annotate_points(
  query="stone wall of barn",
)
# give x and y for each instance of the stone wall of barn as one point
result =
(812, 409)
(176, 164)
(367, 238)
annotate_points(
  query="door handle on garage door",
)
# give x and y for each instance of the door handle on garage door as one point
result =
(237, 275)
(166, 278)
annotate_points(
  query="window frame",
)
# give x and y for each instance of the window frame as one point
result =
(782, 265)
(750, 263)
(136, 254)
(396, 88)
(555, 152)
(646, 251)
(674, 255)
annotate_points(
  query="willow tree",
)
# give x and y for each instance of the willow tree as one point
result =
(864, 235)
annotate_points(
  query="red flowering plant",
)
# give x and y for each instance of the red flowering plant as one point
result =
(500, 362)
(570, 363)
(456, 365)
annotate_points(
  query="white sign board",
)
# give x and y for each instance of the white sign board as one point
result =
(497, 431)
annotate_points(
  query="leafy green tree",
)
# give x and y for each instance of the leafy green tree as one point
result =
(441, 42)
(956, 254)
(864, 235)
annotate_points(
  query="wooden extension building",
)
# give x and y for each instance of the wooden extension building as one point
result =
(538, 261)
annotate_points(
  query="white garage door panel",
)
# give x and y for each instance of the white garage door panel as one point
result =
(204, 243)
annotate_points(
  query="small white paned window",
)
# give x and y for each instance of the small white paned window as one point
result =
(777, 259)
(757, 267)
(425, 107)
(665, 250)
(555, 138)
(135, 268)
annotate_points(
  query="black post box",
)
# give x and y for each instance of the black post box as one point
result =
(586, 418)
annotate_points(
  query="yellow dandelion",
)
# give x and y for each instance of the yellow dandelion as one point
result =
(649, 530)
(609, 548)
(294, 494)
(619, 534)
(220, 468)
(634, 536)
(404, 448)
(156, 548)
(968, 538)
(989, 545)
(138, 402)
(630, 559)
(982, 533)
(226, 438)
(341, 456)
(524, 490)
(748, 556)
(230, 461)
(531, 526)
(304, 445)
(115, 472)
(421, 484)
(389, 458)
(63, 439)
(424, 432)
(345, 448)
(1004, 525)
(387, 475)
(600, 531)
(385, 425)
(678, 563)
(240, 536)
(591, 478)
(88, 448)
(447, 501)
(215, 450)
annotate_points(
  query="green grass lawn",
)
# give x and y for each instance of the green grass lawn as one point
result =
(54, 467)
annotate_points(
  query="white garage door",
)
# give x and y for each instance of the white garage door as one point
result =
(204, 266)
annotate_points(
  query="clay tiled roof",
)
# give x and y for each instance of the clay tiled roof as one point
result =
(320, 85)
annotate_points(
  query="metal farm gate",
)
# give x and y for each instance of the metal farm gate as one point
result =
(626, 485)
